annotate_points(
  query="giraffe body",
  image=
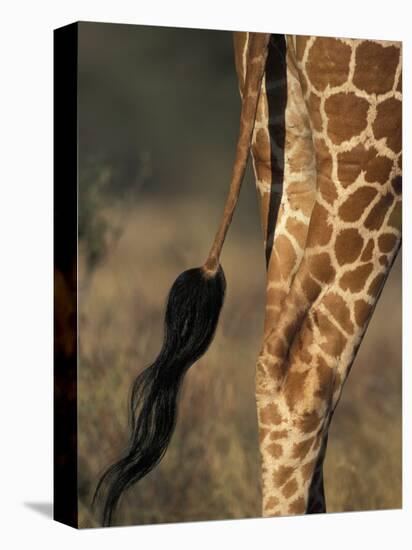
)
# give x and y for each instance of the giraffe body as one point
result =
(327, 159)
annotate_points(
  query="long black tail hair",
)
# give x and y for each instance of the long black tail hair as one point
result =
(192, 313)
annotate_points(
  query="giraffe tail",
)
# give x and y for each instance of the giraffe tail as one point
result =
(192, 313)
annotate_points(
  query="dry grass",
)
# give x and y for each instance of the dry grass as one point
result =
(211, 470)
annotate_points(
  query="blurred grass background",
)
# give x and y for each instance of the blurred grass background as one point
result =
(158, 125)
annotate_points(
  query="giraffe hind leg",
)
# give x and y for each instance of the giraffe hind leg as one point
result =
(349, 250)
(291, 181)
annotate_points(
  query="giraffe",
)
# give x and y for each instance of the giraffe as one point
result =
(322, 120)
(338, 224)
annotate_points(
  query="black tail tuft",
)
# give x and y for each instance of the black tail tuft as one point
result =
(192, 314)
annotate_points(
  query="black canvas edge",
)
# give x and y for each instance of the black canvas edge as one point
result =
(65, 126)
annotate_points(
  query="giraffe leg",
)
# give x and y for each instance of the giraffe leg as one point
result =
(352, 240)
(284, 165)
(283, 143)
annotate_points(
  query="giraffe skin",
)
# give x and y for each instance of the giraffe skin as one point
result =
(337, 221)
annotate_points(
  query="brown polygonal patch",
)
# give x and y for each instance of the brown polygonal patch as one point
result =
(325, 377)
(347, 116)
(339, 310)
(275, 450)
(270, 414)
(328, 63)
(355, 279)
(266, 170)
(348, 246)
(282, 474)
(375, 67)
(276, 348)
(354, 206)
(263, 172)
(301, 449)
(378, 169)
(320, 267)
(362, 311)
(368, 250)
(350, 165)
(360, 159)
(376, 216)
(387, 242)
(335, 340)
(308, 422)
(320, 228)
(376, 284)
(311, 288)
(280, 434)
(301, 343)
(388, 123)
(300, 46)
(297, 506)
(272, 502)
(290, 488)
